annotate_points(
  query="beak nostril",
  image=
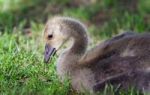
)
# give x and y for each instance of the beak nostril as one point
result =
(47, 52)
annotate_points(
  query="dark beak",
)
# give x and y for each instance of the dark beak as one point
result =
(49, 51)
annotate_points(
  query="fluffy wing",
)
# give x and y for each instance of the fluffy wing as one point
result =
(104, 50)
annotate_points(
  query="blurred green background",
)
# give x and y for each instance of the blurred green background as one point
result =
(22, 70)
(103, 17)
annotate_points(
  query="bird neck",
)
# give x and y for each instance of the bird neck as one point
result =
(79, 45)
(77, 31)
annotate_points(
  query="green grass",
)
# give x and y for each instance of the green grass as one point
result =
(22, 71)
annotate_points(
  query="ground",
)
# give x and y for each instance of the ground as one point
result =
(22, 70)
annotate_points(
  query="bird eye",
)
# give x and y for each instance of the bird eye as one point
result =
(50, 36)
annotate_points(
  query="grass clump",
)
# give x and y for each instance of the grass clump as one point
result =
(23, 72)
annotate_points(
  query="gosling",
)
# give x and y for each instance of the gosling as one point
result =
(121, 60)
